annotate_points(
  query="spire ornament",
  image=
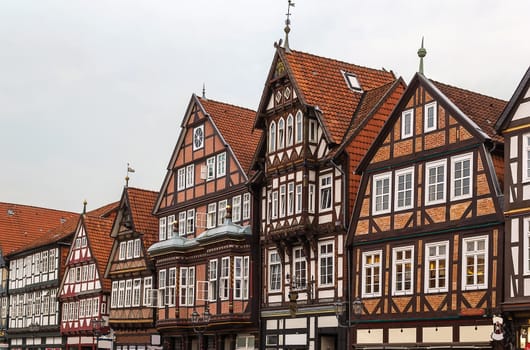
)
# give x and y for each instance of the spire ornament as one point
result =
(421, 53)
(287, 29)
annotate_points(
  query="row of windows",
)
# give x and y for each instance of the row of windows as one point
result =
(80, 242)
(288, 199)
(290, 131)
(31, 304)
(83, 273)
(429, 120)
(216, 287)
(131, 292)
(436, 268)
(130, 249)
(215, 168)
(30, 269)
(84, 308)
(435, 184)
(326, 268)
(215, 215)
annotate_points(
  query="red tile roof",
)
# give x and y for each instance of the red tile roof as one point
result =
(320, 82)
(236, 125)
(141, 203)
(483, 110)
(98, 233)
(21, 224)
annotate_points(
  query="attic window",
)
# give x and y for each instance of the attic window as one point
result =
(352, 81)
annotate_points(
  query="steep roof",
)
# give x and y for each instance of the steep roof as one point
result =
(233, 122)
(20, 224)
(141, 203)
(320, 82)
(517, 96)
(98, 232)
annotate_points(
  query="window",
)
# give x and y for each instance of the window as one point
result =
(171, 285)
(148, 287)
(402, 274)
(275, 271)
(236, 209)
(137, 283)
(325, 192)
(299, 127)
(311, 198)
(198, 137)
(298, 205)
(221, 164)
(475, 267)
(161, 231)
(435, 174)
(281, 136)
(353, 82)
(290, 198)
(113, 295)
(130, 249)
(225, 274)
(462, 182)
(121, 293)
(407, 118)
(282, 201)
(241, 265)
(289, 136)
(312, 130)
(187, 286)
(404, 190)
(326, 258)
(181, 179)
(436, 267)
(526, 157)
(190, 221)
(162, 287)
(212, 278)
(190, 175)
(371, 274)
(222, 212)
(381, 193)
(274, 214)
(123, 250)
(210, 168)
(246, 206)
(272, 137)
(128, 293)
(526, 246)
(137, 248)
(182, 223)
(212, 215)
(170, 226)
(245, 342)
(300, 269)
(430, 117)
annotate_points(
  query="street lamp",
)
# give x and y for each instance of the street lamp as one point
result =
(200, 323)
(342, 307)
(96, 330)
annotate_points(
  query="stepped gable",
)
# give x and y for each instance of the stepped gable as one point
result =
(141, 204)
(320, 82)
(236, 126)
(21, 224)
(483, 110)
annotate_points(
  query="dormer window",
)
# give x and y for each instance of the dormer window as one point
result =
(352, 81)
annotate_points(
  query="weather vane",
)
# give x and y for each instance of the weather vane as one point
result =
(129, 170)
(287, 29)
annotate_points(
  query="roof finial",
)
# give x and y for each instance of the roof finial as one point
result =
(287, 29)
(203, 90)
(129, 170)
(421, 53)
(84, 206)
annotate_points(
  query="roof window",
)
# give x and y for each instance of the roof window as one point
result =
(352, 81)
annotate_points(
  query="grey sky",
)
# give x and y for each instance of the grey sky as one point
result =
(87, 86)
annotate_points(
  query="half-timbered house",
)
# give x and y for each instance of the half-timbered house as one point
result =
(84, 293)
(427, 230)
(514, 125)
(319, 117)
(131, 271)
(204, 265)
(30, 271)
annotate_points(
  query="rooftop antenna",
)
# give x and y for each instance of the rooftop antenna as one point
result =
(421, 53)
(203, 91)
(287, 29)
(129, 170)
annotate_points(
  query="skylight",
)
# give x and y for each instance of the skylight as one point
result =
(352, 81)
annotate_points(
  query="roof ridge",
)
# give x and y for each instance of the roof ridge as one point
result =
(466, 90)
(37, 207)
(225, 103)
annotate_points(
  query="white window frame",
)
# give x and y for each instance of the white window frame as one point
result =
(435, 261)
(311, 198)
(162, 282)
(182, 223)
(298, 199)
(274, 211)
(460, 159)
(405, 190)
(130, 249)
(190, 175)
(122, 253)
(137, 285)
(170, 226)
(325, 185)
(272, 137)
(128, 292)
(299, 268)
(426, 127)
(246, 206)
(221, 211)
(190, 221)
(428, 166)
(475, 254)
(211, 216)
(224, 281)
(526, 245)
(161, 229)
(236, 208)
(221, 164)
(171, 286)
(407, 116)
(181, 179)
(290, 199)
(326, 260)
(275, 272)
(148, 287)
(376, 179)
(113, 295)
(372, 270)
(526, 157)
(210, 168)
(121, 293)
(283, 198)
(137, 248)
(212, 279)
(187, 286)
(241, 274)
(281, 133)
(289, 131)
(407, 271)
(299, 127)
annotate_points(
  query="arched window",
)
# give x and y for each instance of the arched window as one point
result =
(290, 131)
(281, 133)
(299, 129)
(272, 137)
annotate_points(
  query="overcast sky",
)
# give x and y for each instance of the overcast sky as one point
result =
(88, 86)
